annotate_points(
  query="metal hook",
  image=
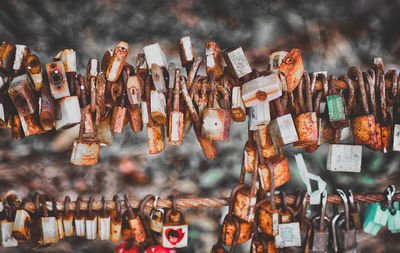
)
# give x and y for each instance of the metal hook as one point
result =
(346, 208)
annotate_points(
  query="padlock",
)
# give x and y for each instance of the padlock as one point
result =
(385, 126)
(291, 70)
(91, 221)
(57, 80)
(208, 146)
(237, 62)
(58, 217)
(7, 52)
(141, 68)
(214, 60)
(246, 198)
(127, 247)
(262, 88)
(6, 225)
(49, 232)
(31, 125)
(21, 54)
(17, 132)
(258, 244)
(105, 61)
(306, 123)
(104, 222)
(134, 222)
(249, 153)
(159, 249)
(394, 218)
(280, 166)
(156, 217)
(85, 151)
(68, 112)
(354, 211)
(21, 229)
(35, 71)
(158, 78)
(343, 157)
(346, 236)
(238, 109)
(282, 127)
(175, 231)
(203, 99)
(158, 107)
(336, 109)
(22, 95)
(117, 61)
(275, 60)
(135, 118)
(68, 218)
(216, 122)
(92, 71)
(105, 135)
(320, 235)
(288, 235)
(259, 116)
(363, 126)
(186, 52)
(68, 58)
(267, 145)
(119, 115)
(101, 94)
(175, 129)
(47, 108)
(79, 219)
(155, 55)
(116, 221)
(396, 128)
(235, 230)
(134, 90)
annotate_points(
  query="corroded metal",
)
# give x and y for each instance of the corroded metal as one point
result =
(22, 95)
(291, 70)
(57, 80)
(237, 62)
(263, 88)
(117, 61)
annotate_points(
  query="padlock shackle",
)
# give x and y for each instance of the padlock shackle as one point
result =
(331, 82)
(54, 206)
(232, 198)
(226, 93)
(213, 93)
(78, 207)
(36, 203)
(393, 79)
(356, 72)
(176, 89)
(309, 92)
(370, 88)
(143, 218)
(345, 201)
(317, 105)
(44, 206)
(131, 214)
(260, 159)
(324, 199)
(148, 100)
(282, 194)
(382, 90)
(104, 212)
(351, 94)
(271, 185)
(189, 103)
(336, 135)
(278, 107)
(325, 87)
(300, 97)
(67, 200)
(118, 208)
(193, 72)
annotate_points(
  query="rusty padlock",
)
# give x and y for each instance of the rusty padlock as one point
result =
(363, 126)
(116, 221)
(282, 127)
(91, 221)
(68, 112)
(320, 237)
(22, 95)
(104, 222)
(386, 127)
(235, 230)
(176, 117)
(92, 71)
(260, 89)
(85, 151)
(119, 114)
(134, 222)
(141, 68)
(17, 132)
(68, 218)
(266, 211)
(259, 116)
(79, 219)
(237, 62)
(6, 225)
(155, 55)
(306, 123)
(186, 52)
(58, 217)
(158, 107)
(291, 70)
(21, 229)
(267, 145)
(249, 153)
(21, 54)
(238, 108)
(101, 94)
(7, 52)
(35, 71)
(117, 61)
(68, 58)
(150, 238)
(214, 60)
(275, 60)
(105, 61)
(175, 232)
(31, 125)
(49, 232)
(57, 80)
(47, 108)
(158, 78)
(336, 108)
(216, 122)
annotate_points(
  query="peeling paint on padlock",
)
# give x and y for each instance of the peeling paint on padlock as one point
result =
(214, 60)
(31, 125)
(262, 88)
(186, 52)
(7, 52)
(22, 95)
(291, 70)
(275, 60)
(68, 112)
(57, 80)
(237, 62)
(117, 61)
(21, 54)
(155, 55)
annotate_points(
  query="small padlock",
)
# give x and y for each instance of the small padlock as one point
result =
(364, 130)
(175, 231)
(85, 151)
(119, 114)
(22, 95)
(21, 229)
(104, 222)
(141, 68)
(116, 221)
(306, 123)
(57, 80)
(31, 125)
(92, 71)
(249, 154)
(21, 54)
(91, 221)
(35, 71)
(347, 236)
(343, 157)
(105, 135)
(214, 60)
(68, 218)
(159, 249)
(68, 58)
(288, 235)
(186, 52)
(176, 117)
(49, 230)
(237, 62)
(275, 60)
(158, 107)
(320, 236)
(117, 61)
(79, 219)
(158, 78)
(282, 127)
(259, 116)
(216, 122)
(336, 109)
(385, 126)
(267, 145)
(235, 230)
(68, 112)
(36, 228)
(16, 128)
(134, 90)
(394, 218)
(135, 118)
(101, 94)
(47, 108)
(58, 217)
(134, 222)
(105, 61)
(262, 88)
(127, 247)
(6, 225)
(354, 211)
(238, 108)
(155, 55)
(291, 70)
(7, 52)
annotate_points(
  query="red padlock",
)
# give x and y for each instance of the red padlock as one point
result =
(159, 249)
(127, 247)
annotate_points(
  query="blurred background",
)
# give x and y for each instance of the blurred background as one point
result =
(332, 36)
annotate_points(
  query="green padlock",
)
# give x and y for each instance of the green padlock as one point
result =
(394, 218)
(336, 110)
(375, 218)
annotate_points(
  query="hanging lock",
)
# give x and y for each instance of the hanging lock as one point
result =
(176, 117)
(238, 108)
(237, 62)
(260, 116)
(31, 125)
(91, 221)
(291, 70)
(6, 225)
(336, 109)
(7, 53)
(35, 71)
(21, 229)
(214, 60)
(275, 60)
(57, 80)
(104, 222)
(17, 132)
(186, 52)
(85, 151)
(158, 107)
(156, 217)
(175, 229)
(59, 219)
(21, 54)
(320, 236)
(68, 112)
(79, 219)
(155, 55)
(92, 71)
(116, 221)
(394, 218)
(68, 218)
(249, 153)
(49, 232)
(262, 88)
(47, 108)
(282, 128)
(119, 114)
(267, 145)
(354, 211)
(117, 61)
(22, 95)
(135, 224)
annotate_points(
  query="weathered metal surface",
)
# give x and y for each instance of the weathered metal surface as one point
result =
(57, 80)
(117, 61)
(134, 90)
(85, 151)
(30, 124)
(216, 124)
(281, 169)
(49, 230)
(238, 108)
(104, 226)
(214, 60)
(336, 111)
(229, 229)
(47, 108)
(22, 95)
(267, 145)
(21, 54)
(283, 130)
(263, 88)
(155, 55)
(7, 52)
(291, 70)
(155, 138)
(268, 218)
(17, 132)
(118, 119)
(275, 60)
(176, 128)
(158, 107)
(135, 118)
(237, 62)
(344, 158)
(245, 204)
(158, 78)
(7, 241)
(21, 227)
(91, 228)
(307, 129)
(364, 130)
(68, 112)
(260, 116)
(186, 52)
